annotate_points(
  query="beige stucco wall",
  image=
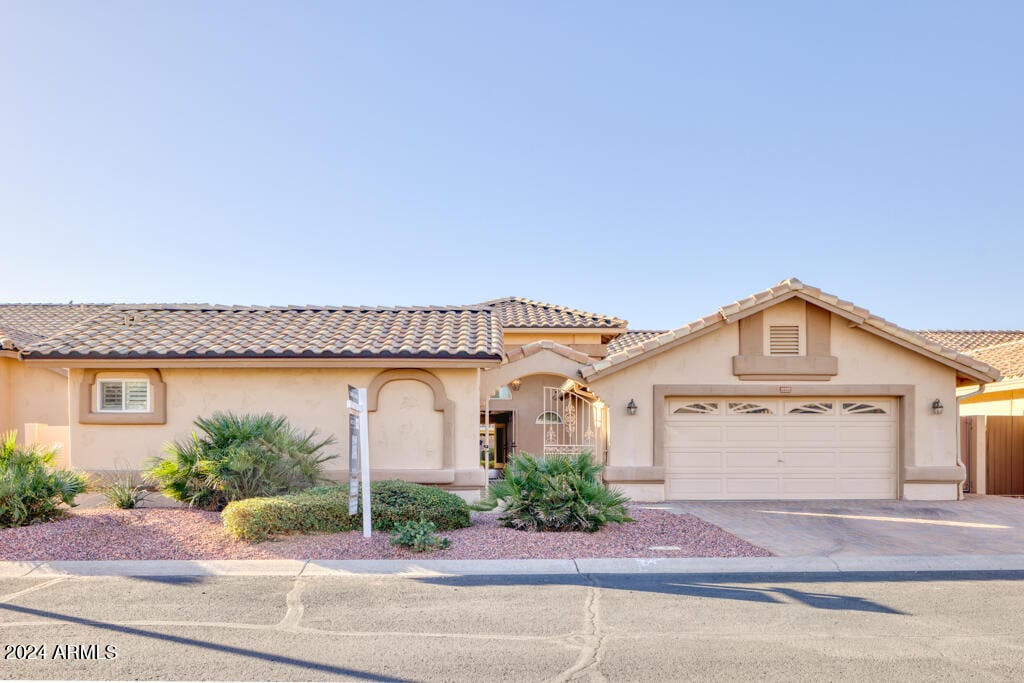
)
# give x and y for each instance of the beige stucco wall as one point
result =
(405, 430)
(31, 395)
(310, 398)
(864, 359)
(565, 338)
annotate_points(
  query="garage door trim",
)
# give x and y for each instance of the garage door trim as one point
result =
(903, 392)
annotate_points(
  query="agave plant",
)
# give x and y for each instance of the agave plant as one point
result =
(31, 490)
(233, 457)
(556, 493)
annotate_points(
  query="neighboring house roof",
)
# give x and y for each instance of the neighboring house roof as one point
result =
(967, 366)
(969, 340)
(631, 338)
(1002, 349)
(516, 312)
(1008, 357)
(202, 331)
(24, 324)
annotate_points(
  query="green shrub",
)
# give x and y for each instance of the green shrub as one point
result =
(418, 536)
(557, 493)
(325, 509)
(31, 490)
(317, 510)
(123, 491)
(393, 502)
(240, 456)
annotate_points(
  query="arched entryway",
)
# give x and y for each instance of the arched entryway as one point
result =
(537, 403)
(542, 414)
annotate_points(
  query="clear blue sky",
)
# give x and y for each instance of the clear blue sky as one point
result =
(649, 160)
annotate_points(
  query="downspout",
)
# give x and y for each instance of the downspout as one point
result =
(959, 459)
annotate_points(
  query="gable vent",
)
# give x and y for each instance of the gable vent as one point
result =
(784, 340)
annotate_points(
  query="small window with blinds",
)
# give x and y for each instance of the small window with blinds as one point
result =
(123, 396)
(784, 340)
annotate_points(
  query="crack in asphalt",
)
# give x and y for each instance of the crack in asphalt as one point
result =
(32, 589)
(295, 609)
(593, 637)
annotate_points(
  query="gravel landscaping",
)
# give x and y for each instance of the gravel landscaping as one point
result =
(182, 534)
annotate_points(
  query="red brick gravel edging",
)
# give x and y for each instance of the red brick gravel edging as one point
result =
(183, 534)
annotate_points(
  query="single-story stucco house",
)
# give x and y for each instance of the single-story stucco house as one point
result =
(790, 393)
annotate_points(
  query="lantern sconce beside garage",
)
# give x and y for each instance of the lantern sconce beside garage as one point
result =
(937, 407)
(631, 407)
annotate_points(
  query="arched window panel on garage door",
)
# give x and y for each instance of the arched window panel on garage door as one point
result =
(865, 408)
(750, 408)
(811, 408)
(694, 408)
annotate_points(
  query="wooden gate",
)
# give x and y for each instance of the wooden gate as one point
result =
(968, 456)
(1004, 454)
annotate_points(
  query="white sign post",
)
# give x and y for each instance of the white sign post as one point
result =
(358, 455)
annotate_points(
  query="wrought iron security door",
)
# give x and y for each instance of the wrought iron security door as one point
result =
(569, 422)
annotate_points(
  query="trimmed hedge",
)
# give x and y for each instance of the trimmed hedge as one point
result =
(393, 502)
(317, 510)
(325, 509)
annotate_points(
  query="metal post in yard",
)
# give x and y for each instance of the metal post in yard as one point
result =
(364, 449)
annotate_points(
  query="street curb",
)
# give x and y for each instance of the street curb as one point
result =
(582, 566)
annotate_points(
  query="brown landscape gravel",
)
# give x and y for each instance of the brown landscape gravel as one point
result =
(182, 534)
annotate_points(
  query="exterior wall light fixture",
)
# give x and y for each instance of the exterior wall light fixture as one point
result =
(937, 407)
(515, 384)
(631, 407)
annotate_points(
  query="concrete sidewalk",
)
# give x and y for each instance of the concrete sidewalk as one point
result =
(580, 566)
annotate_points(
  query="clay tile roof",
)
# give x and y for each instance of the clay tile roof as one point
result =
(203, 331)
(631, 338)
(538, 346)
(1008, 358)
(969, 340)
(516, 312)
(24, 324)
(977, 369)
(1002, 349)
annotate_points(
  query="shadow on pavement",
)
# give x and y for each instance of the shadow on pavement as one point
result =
(730, 586)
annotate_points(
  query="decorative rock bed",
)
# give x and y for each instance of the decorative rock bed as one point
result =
(183, 534)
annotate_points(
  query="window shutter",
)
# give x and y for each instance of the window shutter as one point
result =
(111, 395)
(784, 340)
(136, 395)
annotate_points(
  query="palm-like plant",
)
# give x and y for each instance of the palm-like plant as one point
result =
(31, 489)
(233, 457)
(556, 493)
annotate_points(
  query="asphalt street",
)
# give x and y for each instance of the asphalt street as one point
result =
(910, 626)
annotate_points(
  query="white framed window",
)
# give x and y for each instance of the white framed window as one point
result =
(502, 393)
(123, 396)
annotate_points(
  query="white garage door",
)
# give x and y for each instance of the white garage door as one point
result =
(780, 448)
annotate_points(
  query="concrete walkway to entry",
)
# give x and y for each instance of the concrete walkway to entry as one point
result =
(978, 525)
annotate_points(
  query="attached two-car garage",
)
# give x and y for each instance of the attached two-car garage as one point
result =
(780, 447)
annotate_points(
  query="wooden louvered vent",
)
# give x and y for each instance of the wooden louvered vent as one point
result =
(784, 340)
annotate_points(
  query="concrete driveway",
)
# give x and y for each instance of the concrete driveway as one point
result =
(979, 525)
